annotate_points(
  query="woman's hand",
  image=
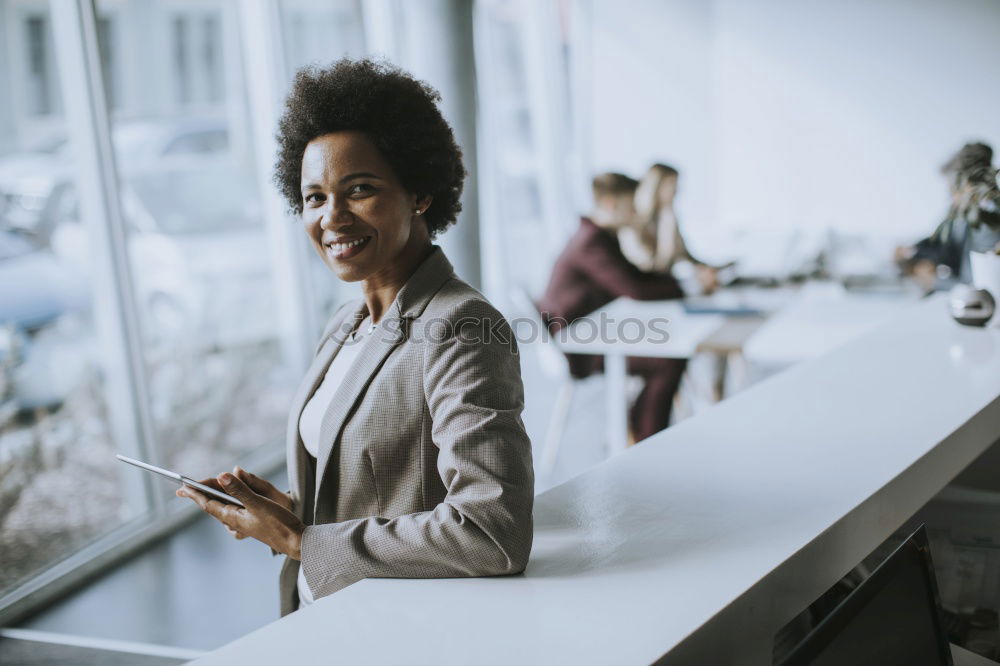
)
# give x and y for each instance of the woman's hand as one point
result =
(263, 487)
(708, 278)
(268, 520)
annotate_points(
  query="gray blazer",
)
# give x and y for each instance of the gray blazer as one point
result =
(426, 466)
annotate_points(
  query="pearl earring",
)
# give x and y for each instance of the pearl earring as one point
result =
(417, 211)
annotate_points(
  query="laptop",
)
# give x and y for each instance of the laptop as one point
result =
(892, 618)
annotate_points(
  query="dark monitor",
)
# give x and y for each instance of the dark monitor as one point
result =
(892, 618)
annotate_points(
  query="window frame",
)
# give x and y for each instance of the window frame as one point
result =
(77, 68)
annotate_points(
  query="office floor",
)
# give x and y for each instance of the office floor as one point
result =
(200, 588)
(190, 590)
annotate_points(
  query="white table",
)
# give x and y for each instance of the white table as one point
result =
(820, 318)
(698, 545)
(687, 331)
(614, 332)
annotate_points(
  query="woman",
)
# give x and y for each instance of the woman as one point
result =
(406, 452)
(972, 223)
(653, 240)
(591, 272)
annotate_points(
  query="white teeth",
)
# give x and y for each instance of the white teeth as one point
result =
(340, 247)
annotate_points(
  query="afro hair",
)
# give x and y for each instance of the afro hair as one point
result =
(398, 113)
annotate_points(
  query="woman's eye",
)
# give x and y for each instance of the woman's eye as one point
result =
(311, 198)
(361, 188)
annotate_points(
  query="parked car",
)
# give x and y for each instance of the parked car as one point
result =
(38, 367)
(199, 253)
(36, 286)
(195, 238)
(37, 186)
(212, 217)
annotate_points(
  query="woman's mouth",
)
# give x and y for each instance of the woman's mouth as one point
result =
(347, 249)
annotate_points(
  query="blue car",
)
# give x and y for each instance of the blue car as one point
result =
(35, 286)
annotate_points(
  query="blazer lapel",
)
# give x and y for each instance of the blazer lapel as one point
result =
(392, 331)
(301, 476)
(375, 349)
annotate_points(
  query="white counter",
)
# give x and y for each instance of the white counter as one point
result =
(705, 539)
(630, 332)
(817, 320)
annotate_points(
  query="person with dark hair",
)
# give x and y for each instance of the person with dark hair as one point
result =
(590, 273)
(407, 456)
(971, 225)
(652, 240)
(612, 194)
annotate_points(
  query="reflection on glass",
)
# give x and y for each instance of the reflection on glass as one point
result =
(59, 491)
(203, 294)
(199, 255)
(319, 32)
(200, 259)
(504, 90)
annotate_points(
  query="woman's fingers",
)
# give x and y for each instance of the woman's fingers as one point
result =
(192, 494)
(234, 533)
(263, 519)
(256, 484)
(211, 482)
(263, 487)
(227, 514)
(241, 491)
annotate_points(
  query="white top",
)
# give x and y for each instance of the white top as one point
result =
(702, 541)
(312, 414)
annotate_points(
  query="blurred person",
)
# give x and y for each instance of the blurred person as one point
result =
(972, 223)
(652, 240)
(407, 456)
(590, 273)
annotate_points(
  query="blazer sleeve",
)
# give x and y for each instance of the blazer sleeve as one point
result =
(483, 527)
(608, 267)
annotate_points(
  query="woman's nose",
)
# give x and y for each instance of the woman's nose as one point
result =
(336, 214)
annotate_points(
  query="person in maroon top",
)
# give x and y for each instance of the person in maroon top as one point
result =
(590, 273)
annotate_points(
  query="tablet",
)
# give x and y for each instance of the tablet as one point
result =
(208, 490)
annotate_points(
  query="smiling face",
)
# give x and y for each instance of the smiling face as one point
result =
(358, 216)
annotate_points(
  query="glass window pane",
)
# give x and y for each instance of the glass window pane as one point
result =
(318, 32)
(510, 137)
(321, 31)
(528, 161)
(61, 488)
(219, 386)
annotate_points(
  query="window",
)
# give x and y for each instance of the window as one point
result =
(526, 164)
(154, 322)
(199, 143)
(320, 32)
(40, 83)
(181, 64)
(203, 276)
(196, 43)
(62, 417)
(163, 342)
(106, 41)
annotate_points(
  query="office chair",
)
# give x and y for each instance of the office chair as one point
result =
(553, 363)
